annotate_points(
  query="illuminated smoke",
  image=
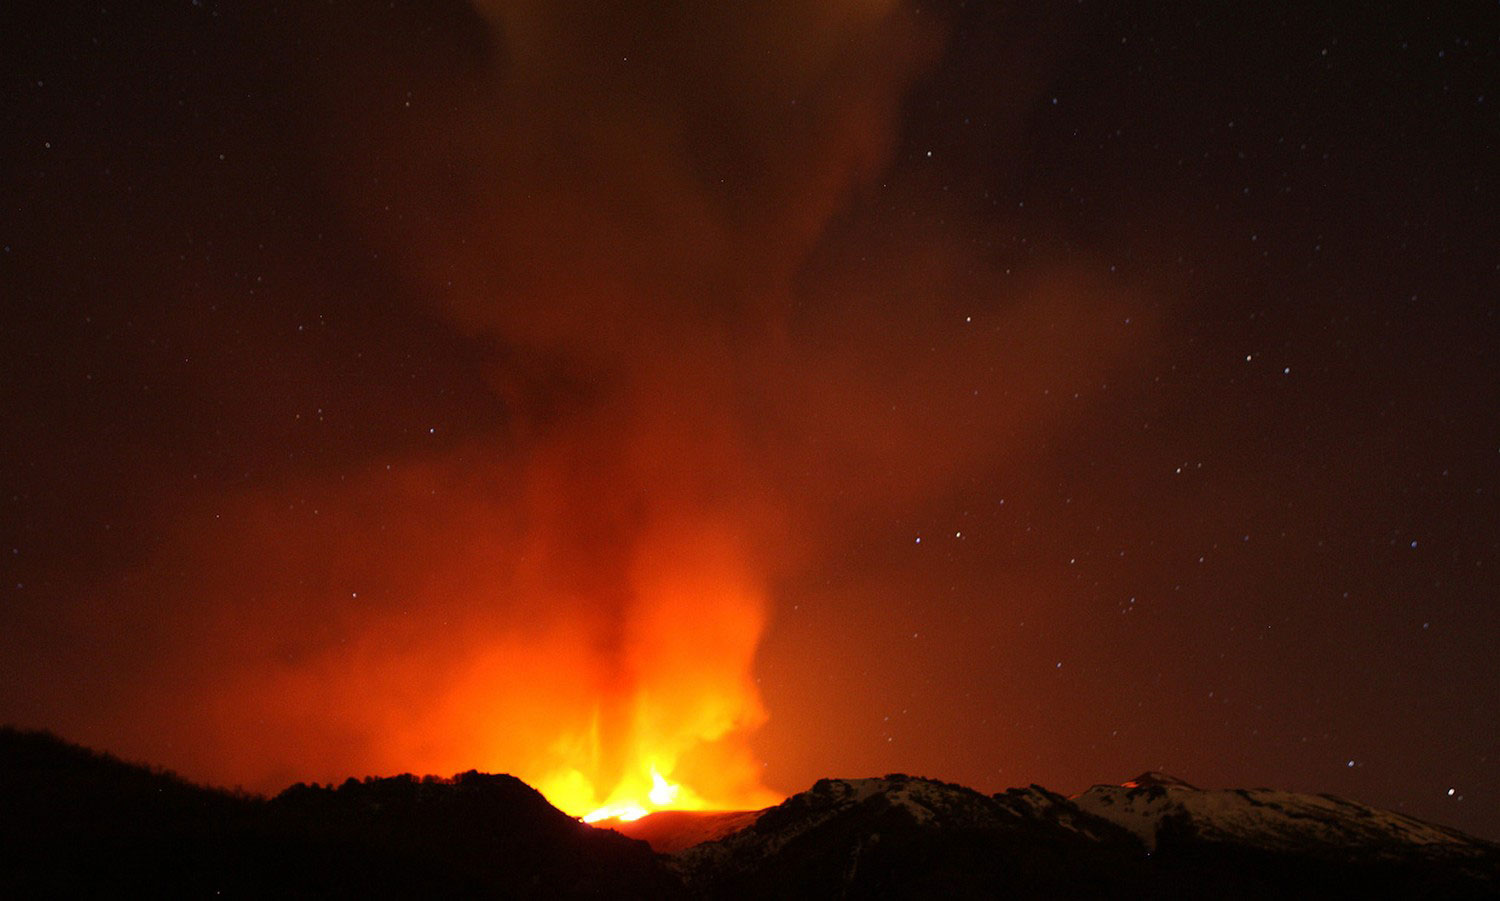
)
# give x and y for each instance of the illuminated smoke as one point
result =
(707, 338)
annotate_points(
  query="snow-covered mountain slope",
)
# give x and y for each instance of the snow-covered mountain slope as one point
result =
(907, 837)
(1037, 804)
(1153, 805)
(923, 803)
(1154, 837)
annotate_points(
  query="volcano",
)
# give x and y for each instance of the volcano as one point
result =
(79, 823)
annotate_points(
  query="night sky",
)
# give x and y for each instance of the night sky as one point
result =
(1001, 393)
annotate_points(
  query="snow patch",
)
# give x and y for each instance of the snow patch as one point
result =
(1267, 818)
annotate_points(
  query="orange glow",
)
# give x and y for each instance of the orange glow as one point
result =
(661, 723)
(662, 793)
(663, 796)
(611, 666)
(625, 811)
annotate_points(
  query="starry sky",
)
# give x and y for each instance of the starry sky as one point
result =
(1002, 393)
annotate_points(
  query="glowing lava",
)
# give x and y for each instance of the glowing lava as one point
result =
(615, 717)
(663, 795)
(624, 811)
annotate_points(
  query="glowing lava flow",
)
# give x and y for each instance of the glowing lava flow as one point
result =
(624, 811)
(662, 795)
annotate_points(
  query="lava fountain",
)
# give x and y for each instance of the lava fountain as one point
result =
(675, 699)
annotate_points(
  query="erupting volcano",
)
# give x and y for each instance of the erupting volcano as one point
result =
(671, 405)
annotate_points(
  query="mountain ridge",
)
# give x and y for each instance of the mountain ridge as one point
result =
(1041, 844)
(84, 823)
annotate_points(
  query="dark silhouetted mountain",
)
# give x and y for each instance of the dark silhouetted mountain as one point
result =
(77, 823)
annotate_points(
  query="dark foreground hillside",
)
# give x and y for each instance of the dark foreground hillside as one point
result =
(74, 823)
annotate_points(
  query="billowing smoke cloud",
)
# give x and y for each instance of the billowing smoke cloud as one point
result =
(631, 200)
(713, 332)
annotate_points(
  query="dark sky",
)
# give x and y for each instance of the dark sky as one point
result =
(1003, 393)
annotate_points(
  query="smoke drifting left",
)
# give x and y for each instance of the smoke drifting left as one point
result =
(460, 381)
